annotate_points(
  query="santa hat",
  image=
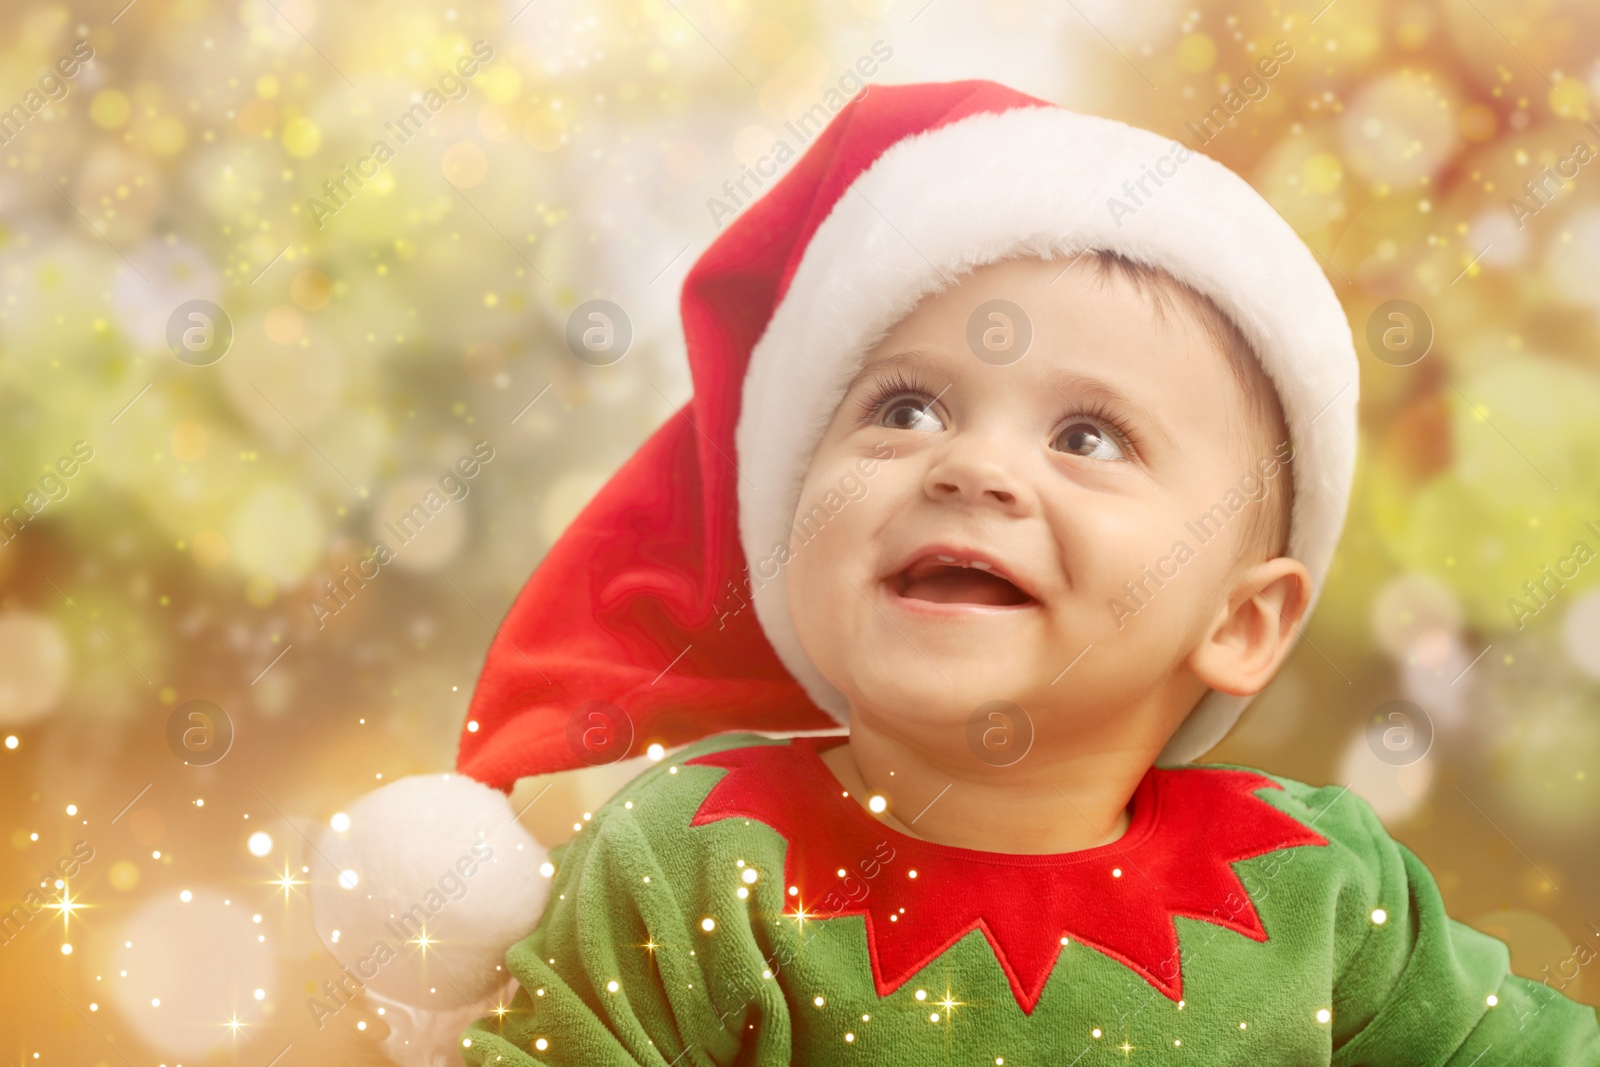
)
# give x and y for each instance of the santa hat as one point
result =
(642, 625)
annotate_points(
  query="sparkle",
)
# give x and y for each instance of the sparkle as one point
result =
(287, 883)
(66, 905)
(501, 1011)
(234, 1025)
(1379, 916)
(650, 945)
(422, 940)
(1491, 1000)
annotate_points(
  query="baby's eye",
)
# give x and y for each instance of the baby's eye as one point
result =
(1082, 438)
(909, 413)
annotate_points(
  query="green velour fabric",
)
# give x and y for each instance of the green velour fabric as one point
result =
(646, 954)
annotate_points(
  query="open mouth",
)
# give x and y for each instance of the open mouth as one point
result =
(944, 580)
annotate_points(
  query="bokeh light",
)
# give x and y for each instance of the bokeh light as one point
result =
(193, 521)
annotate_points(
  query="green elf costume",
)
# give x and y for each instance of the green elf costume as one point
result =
(731, 905)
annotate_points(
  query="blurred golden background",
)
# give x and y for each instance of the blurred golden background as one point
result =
(238, 342)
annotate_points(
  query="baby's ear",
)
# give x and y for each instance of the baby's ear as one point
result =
(1253, 632)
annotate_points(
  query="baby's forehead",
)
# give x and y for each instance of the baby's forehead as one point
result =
(1133, 319)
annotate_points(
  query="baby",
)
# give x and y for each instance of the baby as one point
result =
(1058, 521)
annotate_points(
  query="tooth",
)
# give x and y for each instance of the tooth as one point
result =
(947, 559)
(981, 565)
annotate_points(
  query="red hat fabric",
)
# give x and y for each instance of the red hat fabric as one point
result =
(641, 604)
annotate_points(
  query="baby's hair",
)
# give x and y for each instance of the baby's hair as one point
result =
(1266, 528)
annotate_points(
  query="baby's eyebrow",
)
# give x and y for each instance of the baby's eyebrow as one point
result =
(1074, 387)
(886, 362)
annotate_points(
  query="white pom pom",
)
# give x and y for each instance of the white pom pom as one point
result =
(436, 879)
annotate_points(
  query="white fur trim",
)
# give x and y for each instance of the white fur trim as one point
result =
(1037, 180)
(411, 844)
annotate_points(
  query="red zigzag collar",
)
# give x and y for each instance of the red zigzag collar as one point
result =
(1187, 828)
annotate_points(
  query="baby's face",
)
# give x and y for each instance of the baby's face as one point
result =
(983, 558)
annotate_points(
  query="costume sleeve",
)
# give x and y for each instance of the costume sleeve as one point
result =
(620, 972)
(1421, 989)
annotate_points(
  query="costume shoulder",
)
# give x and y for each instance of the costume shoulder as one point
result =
(656, 812)
(1353, 849)
(663, 784)
(1410, 984)
(1322, 808)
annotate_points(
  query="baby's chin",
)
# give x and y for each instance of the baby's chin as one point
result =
(927, 702)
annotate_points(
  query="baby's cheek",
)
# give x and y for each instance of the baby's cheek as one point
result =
(823, 542)
(808, 582)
